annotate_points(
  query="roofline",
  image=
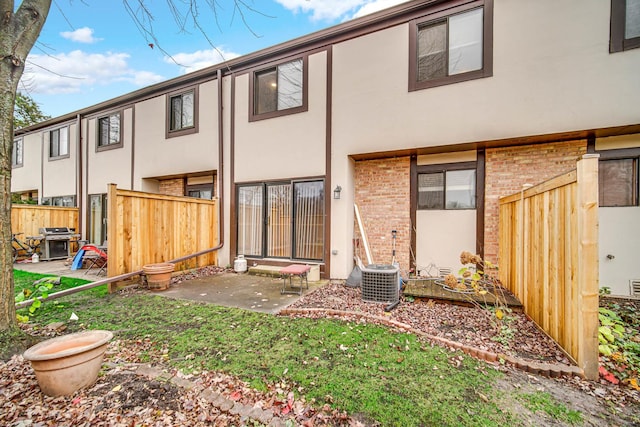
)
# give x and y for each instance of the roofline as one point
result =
(337, 33)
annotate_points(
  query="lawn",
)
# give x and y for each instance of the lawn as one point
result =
(369, 371)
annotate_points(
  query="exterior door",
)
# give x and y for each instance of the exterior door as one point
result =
(278, 220)
(97, 218)
(281, 220)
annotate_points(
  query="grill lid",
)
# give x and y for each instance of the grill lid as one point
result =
(56, 230)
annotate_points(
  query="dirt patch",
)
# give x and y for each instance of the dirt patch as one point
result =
(134, 391)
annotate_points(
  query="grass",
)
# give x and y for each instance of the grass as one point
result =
(24, 279)
(369, 371)
(543, 401)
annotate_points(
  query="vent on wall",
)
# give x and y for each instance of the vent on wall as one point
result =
(634, 285)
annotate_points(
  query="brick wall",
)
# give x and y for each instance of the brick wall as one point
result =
(172, 187)
(383, 198)
(507, 169)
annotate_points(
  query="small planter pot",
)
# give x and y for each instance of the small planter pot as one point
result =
(158, 275)
(68, 363)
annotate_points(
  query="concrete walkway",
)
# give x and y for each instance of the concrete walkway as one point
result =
(250, 292)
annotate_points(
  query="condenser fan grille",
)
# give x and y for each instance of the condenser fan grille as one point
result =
(380, 283)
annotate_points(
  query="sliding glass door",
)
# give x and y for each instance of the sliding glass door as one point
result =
(281, 220)
(278, 221)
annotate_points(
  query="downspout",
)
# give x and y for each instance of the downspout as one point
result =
(220, 161)
(42, 151)
(79, 171)
(220, 180)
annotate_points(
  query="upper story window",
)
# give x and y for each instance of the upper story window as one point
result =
(109, 131)
(451, 188)
(182, 112)
(17, 153)
(618, 182)
(279, 90)
(625, 25)
(451, 46)
(59, 143)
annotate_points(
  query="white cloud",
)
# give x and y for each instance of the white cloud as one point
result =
(335, 9)
(81, 35)
(197, 60)
(71, 72)
(375, 6)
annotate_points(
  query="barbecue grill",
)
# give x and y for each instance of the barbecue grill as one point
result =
(56, 242)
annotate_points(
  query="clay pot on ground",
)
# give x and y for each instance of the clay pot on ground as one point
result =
(68, 363)
(158, 275)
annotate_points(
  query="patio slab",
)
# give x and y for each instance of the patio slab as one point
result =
(57, 268)
(250, 292)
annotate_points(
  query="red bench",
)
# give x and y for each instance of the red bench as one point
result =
(287, 274)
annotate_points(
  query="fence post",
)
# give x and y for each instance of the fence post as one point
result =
(112, 227)
(588, 299)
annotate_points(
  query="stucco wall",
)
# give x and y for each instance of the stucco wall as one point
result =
(110, 166)
(60, 174)
(552, 72)
(615, 224)
(27, 177)
(282, 147)
(158, 156)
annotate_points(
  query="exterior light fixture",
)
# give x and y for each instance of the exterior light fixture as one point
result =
(336, 192)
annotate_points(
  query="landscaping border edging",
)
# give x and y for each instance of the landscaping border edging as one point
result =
(544, 369)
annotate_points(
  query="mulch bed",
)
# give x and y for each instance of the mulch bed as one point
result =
(471, 326)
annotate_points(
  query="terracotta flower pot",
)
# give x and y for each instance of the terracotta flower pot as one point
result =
(158, 275)
(68, 363)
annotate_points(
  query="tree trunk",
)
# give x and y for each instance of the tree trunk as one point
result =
(19, 31)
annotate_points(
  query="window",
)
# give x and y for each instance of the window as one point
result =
(625, 25)
(59, 143)
(17, 153)
(448, 189)
(67, 201)
(182, 113)
(450, 48)
(281, 220)
(618, 182)
(109, 133)
(279, 90)
(200, 191)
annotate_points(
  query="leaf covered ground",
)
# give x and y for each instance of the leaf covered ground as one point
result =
(306, 371)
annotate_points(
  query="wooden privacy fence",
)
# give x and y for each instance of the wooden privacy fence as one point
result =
(146, 228)
(548, 258)
(28, 219)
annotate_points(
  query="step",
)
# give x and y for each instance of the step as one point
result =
(265, 270)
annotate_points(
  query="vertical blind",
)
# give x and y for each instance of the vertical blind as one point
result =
(279, 221)
(309, 220)
(250, 220)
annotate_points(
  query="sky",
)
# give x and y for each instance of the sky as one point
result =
(90, 51)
